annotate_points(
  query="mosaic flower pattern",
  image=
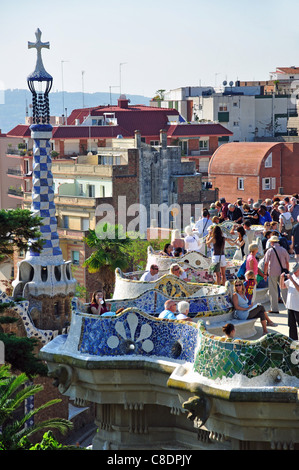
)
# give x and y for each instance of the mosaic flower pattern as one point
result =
(134, 333)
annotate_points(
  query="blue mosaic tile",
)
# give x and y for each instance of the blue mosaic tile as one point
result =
(132, 333)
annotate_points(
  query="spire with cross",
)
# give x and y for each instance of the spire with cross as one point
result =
(40, 94)
(40, 71)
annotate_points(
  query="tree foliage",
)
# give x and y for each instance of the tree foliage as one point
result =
(19, 229)
(110, 245)
(15, 431)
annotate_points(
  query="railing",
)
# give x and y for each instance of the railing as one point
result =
(15, 192)
(19, 152)
(14, 172)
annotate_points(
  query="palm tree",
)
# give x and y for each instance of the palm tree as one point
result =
(110, 244)
(13, 393)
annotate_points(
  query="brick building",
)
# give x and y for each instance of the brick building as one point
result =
(255, 169)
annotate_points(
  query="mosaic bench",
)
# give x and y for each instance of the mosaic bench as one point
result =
(152, 303)
(219, 357)
(244, 328)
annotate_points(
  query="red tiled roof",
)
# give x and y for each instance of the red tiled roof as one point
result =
(85, 132)
(236, 157)
(22, 130)
(148, 120)
(193, 130)
(287, 70)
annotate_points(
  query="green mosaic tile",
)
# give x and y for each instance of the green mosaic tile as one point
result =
(220, 357)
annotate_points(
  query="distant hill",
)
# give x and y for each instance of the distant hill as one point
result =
(13, 110)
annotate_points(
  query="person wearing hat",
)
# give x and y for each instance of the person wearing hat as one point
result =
(224, 209)
(291, 283)
(276, 259)
(213, 210)
(151, 275)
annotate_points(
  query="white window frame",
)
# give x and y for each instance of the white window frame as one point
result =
(268, 183)
(268, 161)
(241, 184)
(204, 144)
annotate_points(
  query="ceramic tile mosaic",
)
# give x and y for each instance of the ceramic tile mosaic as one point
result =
(220, 357)
(152, 302)
(22, 309)
(133, 333)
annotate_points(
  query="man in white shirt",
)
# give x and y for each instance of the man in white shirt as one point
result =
(151, 275)
(191, 240)
(203, 224)
(291, 282)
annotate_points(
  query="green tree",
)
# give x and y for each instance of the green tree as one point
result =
(13, 393)
(19, 229)
(110, 245)
(137, 251)
(19, 352)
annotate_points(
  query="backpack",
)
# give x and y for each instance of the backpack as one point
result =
(287, 223)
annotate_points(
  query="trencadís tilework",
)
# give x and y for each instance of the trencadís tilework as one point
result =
(220, 357)
(133, 333)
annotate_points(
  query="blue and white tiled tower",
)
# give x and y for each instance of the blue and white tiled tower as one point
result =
(45, 275)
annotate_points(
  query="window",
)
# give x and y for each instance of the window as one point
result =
(268, 183)
(223, 116)
(65, 221)
(241, 184)
(76, 258)
(184, 146)
(268, 161)
(91, 190)
(102, 191)
(84, 223)
(222, 107)
(204, 144)
(236, 123)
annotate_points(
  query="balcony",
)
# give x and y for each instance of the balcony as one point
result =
(81, 170)
(14, 172)
(18, 152)
(15, 192)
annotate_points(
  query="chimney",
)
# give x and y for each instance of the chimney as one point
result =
(123, 102)
(137, 139)
(163, 138)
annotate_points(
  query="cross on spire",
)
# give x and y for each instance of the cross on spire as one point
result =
(38, 45)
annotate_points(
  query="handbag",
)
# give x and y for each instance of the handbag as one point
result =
(283, 270)
(215, 267)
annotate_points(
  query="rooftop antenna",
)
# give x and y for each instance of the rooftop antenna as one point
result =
(62, 87)
(82, 73)
(120, 66)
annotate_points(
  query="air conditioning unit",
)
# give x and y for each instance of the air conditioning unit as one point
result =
(280, 190)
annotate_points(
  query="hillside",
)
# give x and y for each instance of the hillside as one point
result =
(13, 110)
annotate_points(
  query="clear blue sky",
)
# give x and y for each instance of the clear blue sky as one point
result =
(164, 44)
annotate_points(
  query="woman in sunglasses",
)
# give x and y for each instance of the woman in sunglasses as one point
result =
(244, 312)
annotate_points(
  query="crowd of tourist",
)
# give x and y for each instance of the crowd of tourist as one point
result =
(280, 238)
